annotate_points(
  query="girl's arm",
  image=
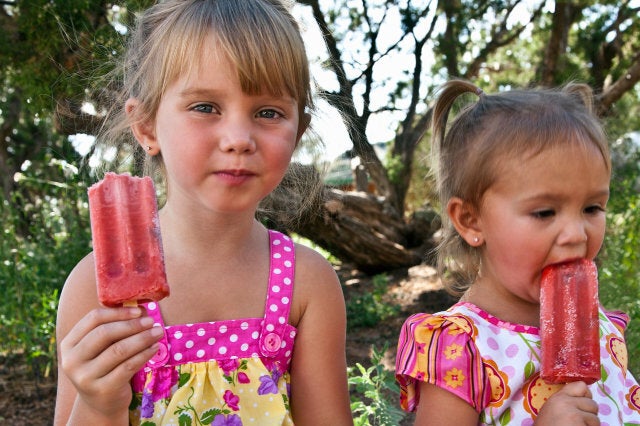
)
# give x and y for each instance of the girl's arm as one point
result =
(99, 350)
(571, 406)
(440, 407)
(319, 391)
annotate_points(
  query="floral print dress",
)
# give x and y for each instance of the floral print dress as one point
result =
(224, 373)
(495, 366)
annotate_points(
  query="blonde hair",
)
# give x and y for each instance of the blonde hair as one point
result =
(514, 124)
(260, 38)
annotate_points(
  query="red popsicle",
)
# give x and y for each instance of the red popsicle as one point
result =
(569, 330)
(127, 246)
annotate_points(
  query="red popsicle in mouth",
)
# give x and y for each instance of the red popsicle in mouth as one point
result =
(569, 326)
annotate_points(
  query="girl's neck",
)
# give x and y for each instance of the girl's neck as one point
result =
(193, 234)
(206, 261)
(505, 307)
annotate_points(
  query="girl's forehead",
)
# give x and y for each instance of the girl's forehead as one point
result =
(202, 55)
(566, 145)
(556, 155)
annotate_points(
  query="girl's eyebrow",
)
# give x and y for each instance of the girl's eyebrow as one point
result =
(198, 91)
(207, 92)
(545, 196)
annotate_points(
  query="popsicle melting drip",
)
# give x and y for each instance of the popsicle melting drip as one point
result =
(569, 327)
(127, 245)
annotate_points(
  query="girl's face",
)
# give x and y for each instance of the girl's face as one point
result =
(546, 209)
(223, 150)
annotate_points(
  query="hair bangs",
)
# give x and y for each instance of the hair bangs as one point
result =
(271, 57)
(184, 43)
(529, 132)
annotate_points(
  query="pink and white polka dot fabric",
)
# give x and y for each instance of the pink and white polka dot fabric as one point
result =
(270, 338)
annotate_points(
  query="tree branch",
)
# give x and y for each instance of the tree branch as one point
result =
(564, 16)
(615, 91)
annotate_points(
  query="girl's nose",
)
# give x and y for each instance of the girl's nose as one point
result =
(237, 139)
(573, 233)
(238, 144)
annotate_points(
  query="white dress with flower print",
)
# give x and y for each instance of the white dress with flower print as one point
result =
(224, 373)
(495, 366)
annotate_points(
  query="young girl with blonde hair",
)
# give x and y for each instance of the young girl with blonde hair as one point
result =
(216, 97)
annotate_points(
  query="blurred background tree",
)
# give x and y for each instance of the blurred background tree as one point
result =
(383, 59)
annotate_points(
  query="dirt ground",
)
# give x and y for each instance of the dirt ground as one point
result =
(28, 400)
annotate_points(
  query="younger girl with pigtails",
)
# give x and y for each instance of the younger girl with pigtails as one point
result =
(523, 177)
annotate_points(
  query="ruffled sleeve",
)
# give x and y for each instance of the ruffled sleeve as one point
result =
(440, 349)
(619, 319)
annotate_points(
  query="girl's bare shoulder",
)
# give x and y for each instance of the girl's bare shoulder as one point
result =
(316, 284)
(79, 293)
(312, 269)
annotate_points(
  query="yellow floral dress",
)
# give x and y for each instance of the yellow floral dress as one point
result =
(495, 366)
(224, 373)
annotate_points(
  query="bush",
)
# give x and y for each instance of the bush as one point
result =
(620, 257)
(375, 396)
(369, 309)
(42, 239)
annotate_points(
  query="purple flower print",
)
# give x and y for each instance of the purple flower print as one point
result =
(269, 384)
(231, 400)
(157, 386)
(146, 407)
(243, 378)
(230, 420)
(228, 365)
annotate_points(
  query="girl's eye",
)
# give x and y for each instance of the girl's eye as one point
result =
(269, 113)
(595, 209)
(204, 108)
(543, 214)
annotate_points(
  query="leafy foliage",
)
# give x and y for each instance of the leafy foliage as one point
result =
(369, 308)
(620, 269)
(41, 242)
(376, 393)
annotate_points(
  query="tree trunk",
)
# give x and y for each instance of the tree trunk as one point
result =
(355, 227)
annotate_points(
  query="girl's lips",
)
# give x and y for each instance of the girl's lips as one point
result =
(567, 260)
(234, 177)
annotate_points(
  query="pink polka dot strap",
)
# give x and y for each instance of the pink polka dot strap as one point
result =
(278, 303)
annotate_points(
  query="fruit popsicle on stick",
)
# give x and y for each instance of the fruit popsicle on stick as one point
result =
(569, 328)
(127, 246)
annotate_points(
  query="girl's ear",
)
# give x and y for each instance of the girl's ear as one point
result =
(143, 131)
(465, 219)
(303, 124)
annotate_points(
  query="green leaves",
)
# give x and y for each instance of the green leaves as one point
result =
(376, 397)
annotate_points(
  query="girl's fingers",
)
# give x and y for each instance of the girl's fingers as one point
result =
(577, 389)
(128, 346)
(102, 340)
(126, 369)
(588, 405)
(116, 362)
(581, 391)
(114, 338)
(99, 317)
